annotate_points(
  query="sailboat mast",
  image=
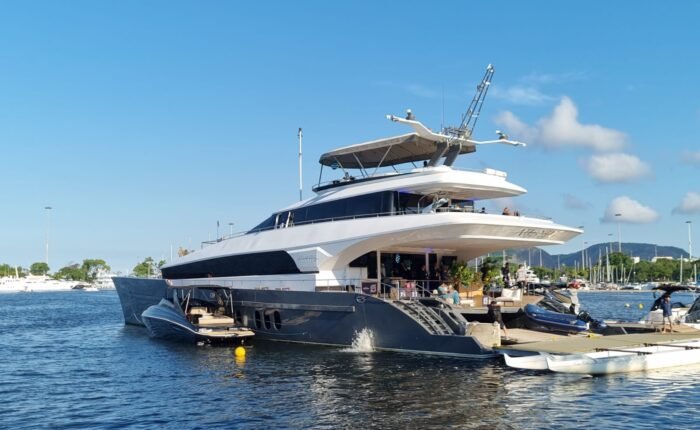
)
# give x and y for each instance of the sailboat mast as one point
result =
(300, 181)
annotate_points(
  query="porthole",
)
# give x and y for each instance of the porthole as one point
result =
(267, 320)
(277, 320)
(258, 319)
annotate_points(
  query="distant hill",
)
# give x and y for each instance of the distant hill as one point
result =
(645, 251)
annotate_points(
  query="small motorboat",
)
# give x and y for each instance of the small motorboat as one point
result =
(527, 362)
(201, 314)
(679, 310)
(542, 319)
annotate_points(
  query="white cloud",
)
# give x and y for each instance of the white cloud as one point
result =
(631, 211)
(689, 205)
(515, 127)
(616, 167)
(521, 95)
(562, 129)
(691, 157)
(573, 202)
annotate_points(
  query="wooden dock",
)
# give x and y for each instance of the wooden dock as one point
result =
(557, 344)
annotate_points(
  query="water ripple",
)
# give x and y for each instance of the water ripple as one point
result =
(68, 362)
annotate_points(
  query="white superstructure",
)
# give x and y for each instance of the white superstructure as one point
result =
(429, 212)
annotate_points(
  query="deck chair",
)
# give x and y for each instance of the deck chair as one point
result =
(510, 295)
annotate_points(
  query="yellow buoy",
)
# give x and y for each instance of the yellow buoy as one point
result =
(239, 351)
(641, 306)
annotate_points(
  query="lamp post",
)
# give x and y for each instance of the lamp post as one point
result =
(619, 236)
(690, 241)
(48, 227)
(583, 255)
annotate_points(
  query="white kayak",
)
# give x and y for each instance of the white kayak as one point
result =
(613, 361)
(541, 360)
(527, 362)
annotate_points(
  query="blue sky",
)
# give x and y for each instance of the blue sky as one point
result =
(143, 123)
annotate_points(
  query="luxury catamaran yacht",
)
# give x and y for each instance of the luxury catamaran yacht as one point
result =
(324, 269)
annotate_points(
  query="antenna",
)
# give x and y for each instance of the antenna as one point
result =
(300, 134)
(442, 125)
(471, 116)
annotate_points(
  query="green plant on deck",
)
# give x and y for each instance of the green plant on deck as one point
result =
(490, 269)
(461, 274)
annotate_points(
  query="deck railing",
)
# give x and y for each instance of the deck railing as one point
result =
(403, 289)
(409, 211)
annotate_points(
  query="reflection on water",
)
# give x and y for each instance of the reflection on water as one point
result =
(71, 354)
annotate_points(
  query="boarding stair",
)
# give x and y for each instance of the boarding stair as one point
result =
(433, 319)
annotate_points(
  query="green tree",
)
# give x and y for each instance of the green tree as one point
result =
(642, 271)
(91, 267)
(7, 270)
(39, 268)
(663, 270)
(146, 268)
(71, 273)
(543, 272)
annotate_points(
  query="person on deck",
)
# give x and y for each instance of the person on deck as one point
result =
(521, 276)
(424, 278)
(454, 296)
(667, 312)
(505, 271)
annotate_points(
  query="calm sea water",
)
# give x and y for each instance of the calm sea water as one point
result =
(68, 361)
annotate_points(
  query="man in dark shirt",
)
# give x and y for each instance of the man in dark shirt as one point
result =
(494, 313)
(666, 307)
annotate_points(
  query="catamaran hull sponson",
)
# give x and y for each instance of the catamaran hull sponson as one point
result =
(137, 294)
(328, 318)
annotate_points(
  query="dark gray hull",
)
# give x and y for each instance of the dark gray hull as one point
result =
(326, 318)
(137, 294)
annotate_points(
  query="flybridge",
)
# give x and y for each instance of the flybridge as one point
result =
(423, 145)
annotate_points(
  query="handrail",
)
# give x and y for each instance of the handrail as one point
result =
(384, 291)
(370, 215)
(397, 172)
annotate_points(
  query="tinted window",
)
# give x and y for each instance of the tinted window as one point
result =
(365, 205)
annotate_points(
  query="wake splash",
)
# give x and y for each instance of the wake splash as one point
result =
(362, 342)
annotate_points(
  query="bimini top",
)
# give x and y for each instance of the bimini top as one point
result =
(423, 144)
(390, 151)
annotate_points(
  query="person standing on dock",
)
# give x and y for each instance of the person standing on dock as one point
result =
(494, 313)
(666, 307)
